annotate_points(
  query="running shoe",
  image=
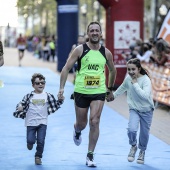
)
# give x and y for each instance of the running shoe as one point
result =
(77, 138)
(90, 160)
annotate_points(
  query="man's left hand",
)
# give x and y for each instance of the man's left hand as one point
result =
(109, 96)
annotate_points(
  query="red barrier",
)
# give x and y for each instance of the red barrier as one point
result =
(160, 78)
(124, 24)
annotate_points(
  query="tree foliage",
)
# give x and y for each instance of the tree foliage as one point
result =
(44, 10)
(35, 6)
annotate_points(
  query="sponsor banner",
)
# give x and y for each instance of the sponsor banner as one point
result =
(118, 59)
(125, 34)
(164, 31)
(67, 8)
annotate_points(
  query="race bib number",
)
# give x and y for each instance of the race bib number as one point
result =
(92, 81)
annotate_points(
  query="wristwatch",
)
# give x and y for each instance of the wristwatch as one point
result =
(111, 88)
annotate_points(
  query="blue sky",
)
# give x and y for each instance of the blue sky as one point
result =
(8, 13)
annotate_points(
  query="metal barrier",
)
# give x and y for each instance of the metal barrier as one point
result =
(160, 78)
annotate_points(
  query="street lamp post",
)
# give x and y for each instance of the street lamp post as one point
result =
(155, 19)
(96, 6)
(7, 36)
(84, 13)
(26, 22)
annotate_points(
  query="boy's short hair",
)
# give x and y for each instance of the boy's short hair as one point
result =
(37, 75)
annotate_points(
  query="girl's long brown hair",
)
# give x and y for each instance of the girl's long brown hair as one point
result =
(136, 62)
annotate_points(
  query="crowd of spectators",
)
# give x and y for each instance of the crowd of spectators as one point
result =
(155, 58)
(43, 47)
(154, 51)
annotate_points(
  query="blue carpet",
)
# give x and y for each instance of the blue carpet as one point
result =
(60, 152)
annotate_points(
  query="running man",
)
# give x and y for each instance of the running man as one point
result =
(90, 89)
(21, 45)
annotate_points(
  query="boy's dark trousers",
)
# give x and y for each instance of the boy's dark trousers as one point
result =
(37, 133)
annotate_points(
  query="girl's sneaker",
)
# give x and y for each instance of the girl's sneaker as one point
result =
(131, 156)
(141, 157)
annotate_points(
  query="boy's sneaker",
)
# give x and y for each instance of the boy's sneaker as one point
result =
(141, 157)
(29, 146)
(90, 161)
(131, 156)
(77, 137)
(38, 161)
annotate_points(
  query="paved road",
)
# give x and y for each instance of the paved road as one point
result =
(60, 152)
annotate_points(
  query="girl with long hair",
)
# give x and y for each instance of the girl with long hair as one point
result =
(139, 98)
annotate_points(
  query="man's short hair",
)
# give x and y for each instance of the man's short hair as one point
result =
(92, 23)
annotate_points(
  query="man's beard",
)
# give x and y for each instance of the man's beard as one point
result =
(94, 42)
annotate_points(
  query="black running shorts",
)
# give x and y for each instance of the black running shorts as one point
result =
(84, 100)
(22, 50)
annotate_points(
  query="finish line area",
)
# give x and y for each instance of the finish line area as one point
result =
(60, 152)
